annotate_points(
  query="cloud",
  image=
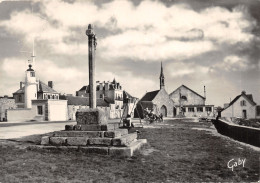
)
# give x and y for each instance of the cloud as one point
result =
(190, 41)
(150, 46)
(233, 63)
(151, 27)
(129, 82)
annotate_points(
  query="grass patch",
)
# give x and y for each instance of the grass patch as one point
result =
(175, 152)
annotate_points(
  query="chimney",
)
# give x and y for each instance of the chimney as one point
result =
(50, 84)
(21, 84)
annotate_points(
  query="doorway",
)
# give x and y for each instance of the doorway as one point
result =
(244, 115)
(163, 110)
(174, 112)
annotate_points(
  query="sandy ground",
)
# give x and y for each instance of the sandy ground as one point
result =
(18, 130)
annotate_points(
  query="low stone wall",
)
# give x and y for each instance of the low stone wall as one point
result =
(245, 134)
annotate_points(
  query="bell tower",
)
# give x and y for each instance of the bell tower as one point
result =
(30, 88)
(161, 78)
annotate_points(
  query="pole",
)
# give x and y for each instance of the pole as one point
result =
(91, 61)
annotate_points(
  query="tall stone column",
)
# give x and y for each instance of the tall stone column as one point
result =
(91, 61)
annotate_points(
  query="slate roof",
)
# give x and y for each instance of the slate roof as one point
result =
(249, 97)
(45, 88)
(126, 96)
(149, 96)
(83, 88)
(146, 104)
(188, 89)
(72, 100)
(42, 88)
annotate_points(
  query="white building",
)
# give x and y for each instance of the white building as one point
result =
(36, 101)
(189, 103)
(242, 106)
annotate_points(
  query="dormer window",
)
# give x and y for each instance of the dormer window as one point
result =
(243, 103)
(32, 74)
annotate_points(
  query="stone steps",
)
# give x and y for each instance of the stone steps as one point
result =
(110, 150)
(79, 138)
(91, 134)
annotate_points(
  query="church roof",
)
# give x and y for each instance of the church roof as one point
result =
(146, 104)
(149, 96)
(187, 89)
(42, 88)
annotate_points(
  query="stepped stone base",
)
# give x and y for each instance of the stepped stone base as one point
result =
(112, 151)
(93, 134)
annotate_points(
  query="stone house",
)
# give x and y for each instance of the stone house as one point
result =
(242, 106)
(6, 103)
(111, 91)
(109, 106)
(119, 100)
(189, 103)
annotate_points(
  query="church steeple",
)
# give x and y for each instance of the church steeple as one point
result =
(161, 78)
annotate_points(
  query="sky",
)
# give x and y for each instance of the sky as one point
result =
(215, 43)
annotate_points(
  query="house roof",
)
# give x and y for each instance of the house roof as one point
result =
(249, 97)
(45, 88)
(72, 100)
(83, 88)
(149, 96)
(42, 88)
(188, 89)
(127, 96)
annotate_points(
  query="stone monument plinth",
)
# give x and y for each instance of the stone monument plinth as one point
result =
(93, 134)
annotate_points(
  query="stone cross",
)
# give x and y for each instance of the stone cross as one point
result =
(92, 43)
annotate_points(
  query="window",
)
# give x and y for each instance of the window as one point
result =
(200, 109)
(39, 109)
(208, 109)
(191, 109)
(19, 98)
(183, 109)
(243, 103)
(32, 74)
(183, 97)
(258, 110)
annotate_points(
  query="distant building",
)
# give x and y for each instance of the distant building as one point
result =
(189, 103)
(76, 102)
(37, 101)
(6, 103)
(158, 101)
(111, 91)
(242, 106)
(109, 95)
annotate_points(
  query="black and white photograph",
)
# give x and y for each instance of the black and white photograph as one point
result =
(129, 91)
